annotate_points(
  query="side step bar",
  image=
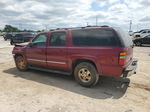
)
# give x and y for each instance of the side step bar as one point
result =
(50, 70)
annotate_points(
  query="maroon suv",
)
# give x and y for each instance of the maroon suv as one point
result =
(87, 53)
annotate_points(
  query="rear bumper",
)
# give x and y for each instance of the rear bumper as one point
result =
(131, 69)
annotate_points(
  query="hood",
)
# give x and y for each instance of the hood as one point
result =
(137, 38)
(22, 44)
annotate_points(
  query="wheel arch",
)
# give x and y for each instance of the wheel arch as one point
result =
(16, 55)
(75, 62)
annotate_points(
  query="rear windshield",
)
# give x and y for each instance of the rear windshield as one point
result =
(18, 36)
(126, 40)
(27, 35)
(94, 37)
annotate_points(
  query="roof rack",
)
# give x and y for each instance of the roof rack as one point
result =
(104, 26)
(77, 27)
(66, 28)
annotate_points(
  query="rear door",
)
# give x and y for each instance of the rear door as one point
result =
(36, 54)
(148, 39)
(57, 51)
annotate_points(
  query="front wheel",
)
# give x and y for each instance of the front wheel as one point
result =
(11, 43)
(138, 43)
(86, 74)
(21, 63)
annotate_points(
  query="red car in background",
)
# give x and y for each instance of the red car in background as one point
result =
(21, 38)
(87, 53)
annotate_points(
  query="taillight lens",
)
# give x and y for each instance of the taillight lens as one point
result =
(122, 57)
(30, 38)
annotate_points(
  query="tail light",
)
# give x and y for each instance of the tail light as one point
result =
(30, 38)
(122, 57)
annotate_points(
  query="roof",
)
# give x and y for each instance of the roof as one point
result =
(77, 28)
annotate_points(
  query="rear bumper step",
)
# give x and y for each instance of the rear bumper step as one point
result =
(131, 69)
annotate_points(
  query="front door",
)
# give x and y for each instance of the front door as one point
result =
(36, 53)
(57, 51)
(146, 39)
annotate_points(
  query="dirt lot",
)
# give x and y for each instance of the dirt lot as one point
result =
(36, 91)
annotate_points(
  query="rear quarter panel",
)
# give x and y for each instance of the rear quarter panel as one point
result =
(105, 58)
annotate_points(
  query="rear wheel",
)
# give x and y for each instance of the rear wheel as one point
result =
(86, 74)
(21, 63)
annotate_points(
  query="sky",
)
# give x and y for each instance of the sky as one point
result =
(50, 14)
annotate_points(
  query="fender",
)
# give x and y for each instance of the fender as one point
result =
(19, 50)
(84, 57)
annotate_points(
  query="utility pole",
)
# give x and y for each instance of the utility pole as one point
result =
(130, 25)
(96, 20)
(87, 23)
(20, 26)
(138, 26)
(46, 27)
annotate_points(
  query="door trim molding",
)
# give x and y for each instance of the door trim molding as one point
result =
(36, 60)
(55, 62)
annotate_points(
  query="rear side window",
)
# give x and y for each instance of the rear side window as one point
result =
(126, 40)
(94, 37)
(58, 39)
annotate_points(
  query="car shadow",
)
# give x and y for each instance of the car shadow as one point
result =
(108, 87)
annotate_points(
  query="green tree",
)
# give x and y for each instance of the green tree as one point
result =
(9, 28)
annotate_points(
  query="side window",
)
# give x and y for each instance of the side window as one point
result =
(94, 37)
(148, 37)
(58, 39)
(143, 32)
(18, 36)
(40, 40)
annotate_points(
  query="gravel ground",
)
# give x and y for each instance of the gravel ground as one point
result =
(36, 91)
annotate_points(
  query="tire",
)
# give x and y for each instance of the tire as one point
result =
(11, 43)
(86, 74)
(138, 43)
(5, 39)
(21, 63)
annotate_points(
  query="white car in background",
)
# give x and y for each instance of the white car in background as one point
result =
(141, 33)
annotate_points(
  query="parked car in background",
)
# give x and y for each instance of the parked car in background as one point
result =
(142, 40)
(131, 33)
(7, 36)
(87, 53)
(141, 33)
(1, 34)
(21, 37)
